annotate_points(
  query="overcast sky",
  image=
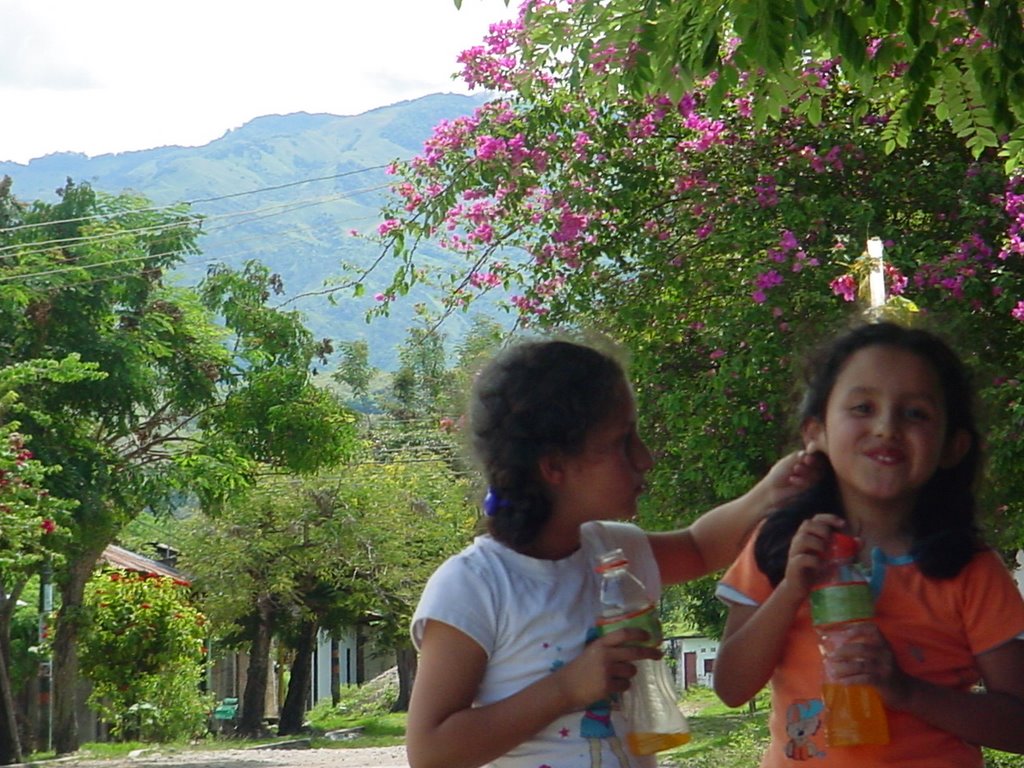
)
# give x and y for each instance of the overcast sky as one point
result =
(99, 76)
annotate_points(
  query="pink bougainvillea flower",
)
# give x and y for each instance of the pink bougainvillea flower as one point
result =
(388, 226)
(845, 286)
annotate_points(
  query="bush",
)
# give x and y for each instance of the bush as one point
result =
(994, 759)
(142, 650)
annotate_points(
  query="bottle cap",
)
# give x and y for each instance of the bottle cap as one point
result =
(842, 546)
(613, 558)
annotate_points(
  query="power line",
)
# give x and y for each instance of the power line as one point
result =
(257, 214)
(186, 262)
(275, 187)
(18, 249)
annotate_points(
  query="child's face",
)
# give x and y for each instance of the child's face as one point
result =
(607, 478)
(884, 429)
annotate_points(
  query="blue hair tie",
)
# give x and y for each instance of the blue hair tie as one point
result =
(493, 502)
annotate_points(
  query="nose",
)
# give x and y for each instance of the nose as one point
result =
(640, 455)
(886, 422)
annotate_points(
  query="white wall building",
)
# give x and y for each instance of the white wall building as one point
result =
(692, 658)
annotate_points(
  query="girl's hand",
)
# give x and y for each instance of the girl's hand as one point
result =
(791, 475)
(864, 656)
(806, 552)
(605, 667)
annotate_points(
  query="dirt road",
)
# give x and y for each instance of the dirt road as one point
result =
(385, 757)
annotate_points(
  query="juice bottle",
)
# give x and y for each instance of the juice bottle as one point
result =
(649, 705)
(854, 714)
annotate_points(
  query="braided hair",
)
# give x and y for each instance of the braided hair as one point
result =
(533, 399)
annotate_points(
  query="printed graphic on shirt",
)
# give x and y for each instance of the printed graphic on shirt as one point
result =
(803, 722)
(596, 725)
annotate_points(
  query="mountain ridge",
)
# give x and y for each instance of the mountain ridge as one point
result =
(287, 190)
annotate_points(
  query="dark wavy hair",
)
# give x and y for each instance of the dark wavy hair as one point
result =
(943, 526)
(535, 398)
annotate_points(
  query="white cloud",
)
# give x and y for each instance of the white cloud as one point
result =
(114, 75)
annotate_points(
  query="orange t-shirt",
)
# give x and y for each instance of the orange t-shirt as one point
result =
(935, 628)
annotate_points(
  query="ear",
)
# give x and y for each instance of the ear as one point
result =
(956, 448)
(812, 431)
(552, 468)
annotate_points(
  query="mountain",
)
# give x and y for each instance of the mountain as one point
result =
(286, 190)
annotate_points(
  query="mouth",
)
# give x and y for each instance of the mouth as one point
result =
(887, 457)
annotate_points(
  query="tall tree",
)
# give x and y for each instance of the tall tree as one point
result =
(184, 401)
(322, 553)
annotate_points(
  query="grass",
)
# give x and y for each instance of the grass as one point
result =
(366, 707)
(722, 736)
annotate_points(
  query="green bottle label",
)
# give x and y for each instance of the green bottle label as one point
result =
(839, 603)
(646, 620)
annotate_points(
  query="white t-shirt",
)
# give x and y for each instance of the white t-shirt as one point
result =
(532, 616)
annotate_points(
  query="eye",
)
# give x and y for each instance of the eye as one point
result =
(915, 413)
(860, 409)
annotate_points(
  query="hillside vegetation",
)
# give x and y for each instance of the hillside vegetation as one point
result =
(289, 191)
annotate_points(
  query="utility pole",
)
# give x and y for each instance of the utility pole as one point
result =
(46, 665)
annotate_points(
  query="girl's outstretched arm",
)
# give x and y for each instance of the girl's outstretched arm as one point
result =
(714, 540)
(445, 730)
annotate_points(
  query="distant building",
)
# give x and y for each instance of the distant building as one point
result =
(692, 658)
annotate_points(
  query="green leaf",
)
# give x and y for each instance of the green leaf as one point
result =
(851, 42)
(921, 65)
(814, 111)
(915, 20)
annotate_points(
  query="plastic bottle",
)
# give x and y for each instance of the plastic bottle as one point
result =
(854, 714)
(649, 705)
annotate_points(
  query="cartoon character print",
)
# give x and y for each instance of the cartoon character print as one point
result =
(596, 726)
(803, 720)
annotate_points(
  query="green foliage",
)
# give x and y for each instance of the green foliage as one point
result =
(26, 652)
(354, 369)
(287, 190)
(326, 548)
(143, 651)
(995, 759)
(909, 54)
(357, 704)
(694, 607)
(169, 398)
(716, 247)
(33, 523)
(366, 707)
(707, 246)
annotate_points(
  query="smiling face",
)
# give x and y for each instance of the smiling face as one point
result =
(884, 430)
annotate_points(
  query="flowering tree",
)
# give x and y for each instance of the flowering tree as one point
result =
(29, 520)
(143, 651)
(964, 57)
(715, 248)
